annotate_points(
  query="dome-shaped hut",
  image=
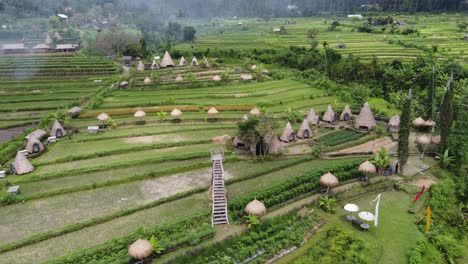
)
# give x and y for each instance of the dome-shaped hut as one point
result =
(179, 78)
(394, 124)
(212, 111)
(74, 111)
(21, 165)
(312, 117)
(147, 80)
(140, 114)
(38, 133)
(140, 249)
(329, 180)
(365, 119)
(288, 134)
(34, 145)
(304, 130)
(103, 117)
(423, 140)
(329, 115)
(255, 112)
(176, 113)
(346, 114)
(419, 122)
(167, 60)
(182, 62)
(367, 167)
(57, 130)
(256, 207)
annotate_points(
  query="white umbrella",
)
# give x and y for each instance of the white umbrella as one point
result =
(351, 208)
(366, 216)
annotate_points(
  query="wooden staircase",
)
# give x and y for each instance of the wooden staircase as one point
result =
(219, 211)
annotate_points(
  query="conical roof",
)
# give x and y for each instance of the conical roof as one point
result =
(255, 111)
(34, 141)
(48, 40)
(139, 114)
(167, 60)
(182, 61)
(38, 133)
(312, 117)
(213, 111)
(302, 130)
(55, 127)
(194, 61)
(57, 36)
(103, 117)
(141, 66)
(329, 180)
(179, 79)
(176, 112)
(255, 207)
(274, 145)
(216, 78)
(329, 115)
(147, 80)
(140, 249)
(22, 164)
(418, 122)
(394, 121)
(287, 132)
(346, 110)
(365, 118)
(423, 140)
(154, 65)
(367, 167)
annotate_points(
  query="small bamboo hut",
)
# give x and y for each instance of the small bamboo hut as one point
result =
(38, 133)
(140, 114)
(274, 145)
(194, 61)
(212, 111)
(312, 117)
(346, 114)
(329, 115)
(367, 167)
(329, 180)
(147, 81)
(255, 112)
(154, 65)
(57, 130)
(140, 249)
(21, 165)
(103, 118)
(179, 79)
(304, 130)
(423, 140)
(34, 145)
(167, 61)
(419, 122)
(255, 207)
(182, 62)
(74, 112)
(141, 66)
(365, 119)
(240, 144)
(216, 78)
(394, 124)
(288, 134)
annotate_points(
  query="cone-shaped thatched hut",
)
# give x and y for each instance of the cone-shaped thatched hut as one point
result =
(167, 61)
(312, 117)
(329, 115)
(194, 61)
(103, 117)
(216, 78)
(288, 134)
(141, 66)
(182, 62)
(255, 207)
(367, 167)
(213, 111)
(304, 130)
(57, 130)
(176, 113)
(240, 144)
(34, 145)
(48, 40)
(74, 111)
(346, 114)
(329, 180)
(139, 114)
(179, 79)
(147, 80)
(394, 124)
(154, 65)
(57, 36)
(140, 249)
(38, 133)
(365, 119)
(274, 145)
(423, 140)
(255, 111)
(21, 165)
(419, 122)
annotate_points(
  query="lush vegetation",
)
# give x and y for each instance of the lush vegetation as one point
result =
(340, 137)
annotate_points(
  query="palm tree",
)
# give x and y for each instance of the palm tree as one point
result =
(252, 220)
(161, 115)
(327, 203)
(381, 159)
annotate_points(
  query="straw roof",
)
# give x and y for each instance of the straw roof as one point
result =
(287, 132)
(55, 127)
(141, 66)
(139, 114)
(329, 180)
(38, 133)
(32, 141)
(246, 77)
(435, 140)
(423, 140)
(255, 111)
(194, 61)
(179, 79)
(346, 110)
(176, 112)
(367, 167)
(167, 60)
(123, 84)
(57, 36)
(103, 117)
(154, 65)
(217, 78)
(429, 123)
(182, 61)
(255, 207)
(329, 115)
(394, 121)
(312, 117)
(74, 110)
(418, 122)
(41, 46)
(147, 80)
(222, 139)
(274, 145)
(238, 141)
(213, 111)
(302, 130)
(140, 249)
(22, 164)
(365, 118)
(245, 117)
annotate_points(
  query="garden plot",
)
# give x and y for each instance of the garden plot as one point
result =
(368, 147)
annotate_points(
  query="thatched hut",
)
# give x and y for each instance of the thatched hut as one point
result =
(240, 143)
(182, 62)
(288, 134)
(167, 61)
(154, 65)
(367, 167)
(176, 113)
(139, 114)
(212, 111)
(255, 112)
(147, 80)
(74, 111)
(245, 117)
(435, 140)
(194, 61)
(329, 180)
(48, 40)
(140, 66)
(38, 133)
(216, 78)
(346, 114)
(304, 130)
(123, 84)
(21, 165)
(255, 207)
(179, 79)
(329, 115)
(57, 130)
(57, 37)
(34, 145)
(222, 139)
(274, 145)
(419, 122)
(246, 77)
(423, 140)
(103, 117)
(312, 117)
(140, 249)
(365, 119)
(394, 124)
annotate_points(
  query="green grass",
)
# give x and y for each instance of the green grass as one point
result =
(340, 137)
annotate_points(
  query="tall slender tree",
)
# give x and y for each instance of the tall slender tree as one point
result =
(446, 119)
(458, 141)
(403, 134)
